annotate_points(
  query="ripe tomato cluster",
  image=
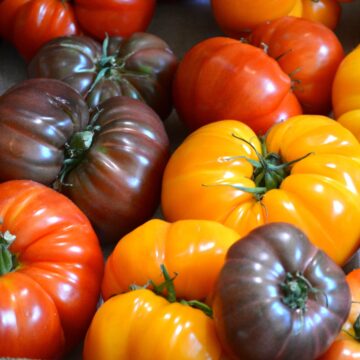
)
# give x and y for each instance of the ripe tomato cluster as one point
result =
(232, 240)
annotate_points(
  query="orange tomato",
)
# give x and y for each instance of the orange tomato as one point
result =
(194, 249)
(235, 17)
(214, 173)
(326, 12)
(140, 325)
(346, 346)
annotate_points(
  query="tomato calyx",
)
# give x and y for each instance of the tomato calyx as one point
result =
(75, 150)
(296, 289)
(8, 261)
(114, 67)
(168, 287)
(269, 170)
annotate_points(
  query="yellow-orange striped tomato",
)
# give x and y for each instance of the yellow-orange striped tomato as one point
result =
(306, 173)
(140, 325)
(193, 249)
(346, 92)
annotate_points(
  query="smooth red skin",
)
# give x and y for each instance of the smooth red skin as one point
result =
(34, 22)
(312, 48)
(222, 78)
(47, 303)
(114, 17)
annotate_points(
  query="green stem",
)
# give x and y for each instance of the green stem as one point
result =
(168, 286)
(296, 289)
(269, 170)
(75, 150)
(8, 260)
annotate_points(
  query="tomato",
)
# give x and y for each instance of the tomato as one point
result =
(222, 78)
(189, 254)
(309, 53)
(114, 17)
(236, 17)
(141, 66)
(110, 165)
(231, 178)
(347, 345)
(140, 325)
(29, 24)
(326, 12)
(274, 278)
(194, 249)
(51, 286)
(346, 92)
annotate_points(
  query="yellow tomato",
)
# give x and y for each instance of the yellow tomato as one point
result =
(214, 173)
(346, 92)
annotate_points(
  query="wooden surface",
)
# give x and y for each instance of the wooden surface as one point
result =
(182, 24)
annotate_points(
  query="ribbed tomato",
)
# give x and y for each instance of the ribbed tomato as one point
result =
(305, 172)
(140, 325)
(279, 297)
(309, 52)
(346, 92)
(222, 78)
(51, 267)
(110, 165)
(140, 66)
(31, 23)
(193, 249)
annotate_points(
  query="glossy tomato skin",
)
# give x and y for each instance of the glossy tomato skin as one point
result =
(236, 17)
(345, 346)
(168, 330)
(114, 17)
(31, 23)
(117, 182)
(210, 166)
(346, 92)
(141, 67)
(37, 117)
(193, 249)
(309, 53)
(222, 78)
(327, 12)
(48, 300)
(255, 272)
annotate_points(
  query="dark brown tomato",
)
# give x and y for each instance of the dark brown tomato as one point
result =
(117, 180)
(140, 66)
(37, 117)
(279, 297)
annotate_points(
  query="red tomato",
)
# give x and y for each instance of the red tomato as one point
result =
(114, 17)
(309, 53)
(50, 288)
(29, 24)
(347, 345)
(222, 78)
